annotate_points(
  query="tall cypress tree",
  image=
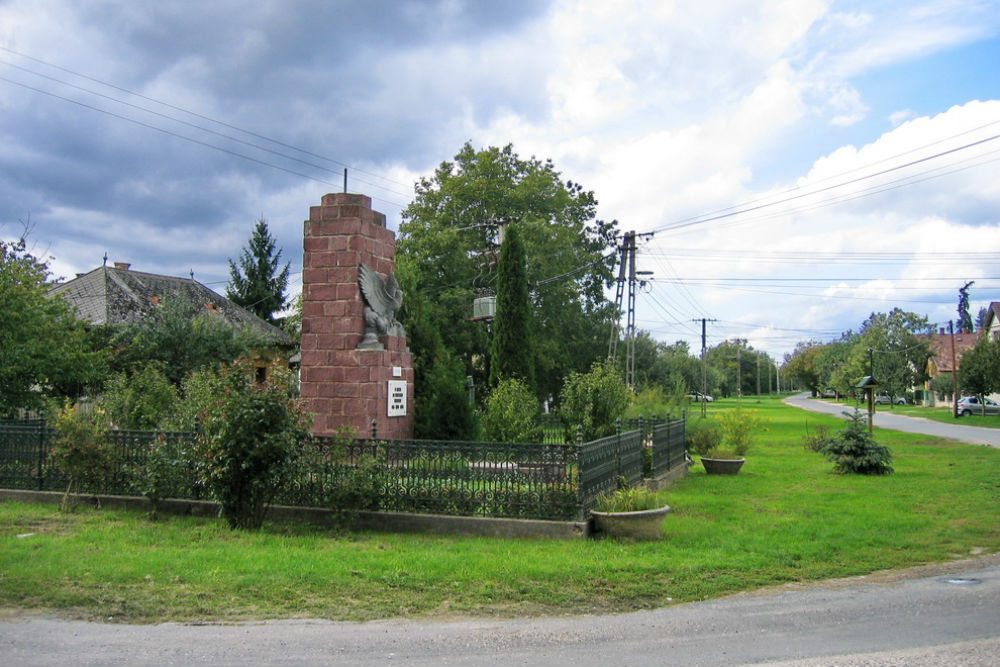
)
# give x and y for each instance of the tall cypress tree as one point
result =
(257, 284)
(511, 350)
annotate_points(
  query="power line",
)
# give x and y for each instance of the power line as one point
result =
(186, 111)
(700, 220)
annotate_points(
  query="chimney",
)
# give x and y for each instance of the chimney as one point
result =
(941, 331)
(124, 266)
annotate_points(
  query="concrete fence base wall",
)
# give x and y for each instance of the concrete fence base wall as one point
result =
(395, 522)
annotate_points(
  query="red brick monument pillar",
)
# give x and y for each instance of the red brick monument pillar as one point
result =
(355, 363)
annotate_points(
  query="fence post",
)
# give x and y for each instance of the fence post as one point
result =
(579, 434)
(41, 455)
(374, 430)
(618, 447)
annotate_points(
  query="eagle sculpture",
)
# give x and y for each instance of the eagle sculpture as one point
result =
(383, 299)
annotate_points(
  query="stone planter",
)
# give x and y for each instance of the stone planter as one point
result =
(641, 525)
(722, 466)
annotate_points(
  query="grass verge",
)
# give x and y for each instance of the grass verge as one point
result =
(786, 517)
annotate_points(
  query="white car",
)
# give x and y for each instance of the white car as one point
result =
(883, 399)
(698, 397)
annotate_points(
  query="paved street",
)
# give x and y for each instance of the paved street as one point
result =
(885, 419)
(943, 615)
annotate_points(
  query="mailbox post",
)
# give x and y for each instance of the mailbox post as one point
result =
(869, 384)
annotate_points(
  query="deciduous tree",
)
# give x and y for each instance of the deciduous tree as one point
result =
(447, 252)
(44, 350)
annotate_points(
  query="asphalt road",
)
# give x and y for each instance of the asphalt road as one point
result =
(948, 615)
(885, 419)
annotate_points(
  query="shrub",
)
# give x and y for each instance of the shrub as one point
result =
(739, 427)
(703, 436)
(79, 449)
(251, 436)
(166, 472)
(511, 412)
(853, 450)
(594, 401)
(140, 401)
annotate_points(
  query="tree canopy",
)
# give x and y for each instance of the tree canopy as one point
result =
(447, 253)
(44, 349)
(258, 283)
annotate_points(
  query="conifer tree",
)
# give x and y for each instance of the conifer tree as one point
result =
(256, 283)
(511, 351)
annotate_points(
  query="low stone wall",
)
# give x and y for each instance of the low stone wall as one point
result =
(395, 522)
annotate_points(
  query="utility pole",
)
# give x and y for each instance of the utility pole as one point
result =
(630, 318)
(739, 373)
(626, 259)
(704, 373)
(758, 377)
(954, 372)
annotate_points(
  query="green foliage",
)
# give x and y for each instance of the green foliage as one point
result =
(358, 486)
(79, 449)
(594, 401)
(703, 436)
(511, 412)
(446, 256)
(737, 364)
(853, 450)
(44, 350)
(739, 427)
(166, 473)
(443, 409)
(181, 340)
(801, 366)
(257, 283)
(628, 500)
(142, 401)
(654, 401)
(979, 370)
(250, 437)
(899, 356)
(511, 350)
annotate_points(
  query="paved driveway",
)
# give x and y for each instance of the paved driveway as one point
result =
(885, 419)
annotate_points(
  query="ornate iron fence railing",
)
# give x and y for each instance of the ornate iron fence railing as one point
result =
(521, 480)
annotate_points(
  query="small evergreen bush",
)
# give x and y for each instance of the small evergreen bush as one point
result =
(852, 450)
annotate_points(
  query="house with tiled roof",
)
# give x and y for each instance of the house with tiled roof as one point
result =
(119, 295)
(942, 360)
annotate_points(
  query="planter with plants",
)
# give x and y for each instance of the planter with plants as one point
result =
(634, 513)
(722, 443)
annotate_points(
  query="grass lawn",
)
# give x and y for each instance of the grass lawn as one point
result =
(785, 517)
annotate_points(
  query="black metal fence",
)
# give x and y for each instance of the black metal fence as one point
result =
(556, 481)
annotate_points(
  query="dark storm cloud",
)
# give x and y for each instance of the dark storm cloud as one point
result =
(373, 83)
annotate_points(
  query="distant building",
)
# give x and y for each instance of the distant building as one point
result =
(941, 360)
(991, 323)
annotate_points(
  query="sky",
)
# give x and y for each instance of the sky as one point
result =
(796, 165)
